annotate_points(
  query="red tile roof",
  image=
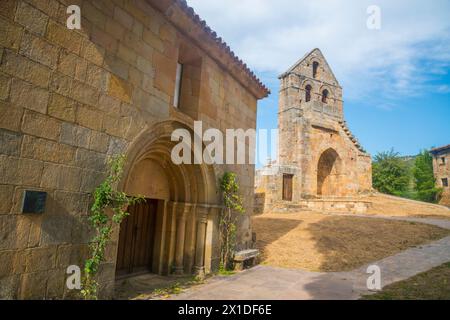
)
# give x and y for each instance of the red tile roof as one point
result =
(439, 149)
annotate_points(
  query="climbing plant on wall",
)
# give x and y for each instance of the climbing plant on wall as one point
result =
(233, 206)
(109, 209)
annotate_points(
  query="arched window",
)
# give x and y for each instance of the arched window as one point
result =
(308, 89)
(315, 68)
(324, 96)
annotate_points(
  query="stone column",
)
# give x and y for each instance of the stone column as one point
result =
(181, 231)
(200, 242)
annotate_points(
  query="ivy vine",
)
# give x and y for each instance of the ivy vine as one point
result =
(227, 225)
(109, 209)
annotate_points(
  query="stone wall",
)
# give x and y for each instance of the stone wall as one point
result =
(441, 168)
(71, 98)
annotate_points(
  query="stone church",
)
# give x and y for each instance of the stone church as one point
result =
(319, 160)
(69, 99)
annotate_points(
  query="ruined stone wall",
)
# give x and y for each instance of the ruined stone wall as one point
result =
(71, 98)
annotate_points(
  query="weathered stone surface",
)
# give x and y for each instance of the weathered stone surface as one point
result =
(69, 178)
(72, 203)
(10, 34)
(119, 89)
(92, 52)
(33, 285)
(116, 66)
(84, 93)
(20, 171)
(116, 126)
(90, 159)
(60, 84)
(15, 231)
(97, 77)
(25, 69)
(50, 176)
(10, 142)
(9, 287)
(90, 180)
(10, 116)
(25, 95)
(109, 104)
(71, 65)
(8, 8)
(117, 146)
(50, 8)
(89, 117)
(74, 135)
(56, 229)
(47, 150)
(39, 50)
(41, 259)
(71, 255)
(98, 141)
(62, 108)
(40, 125)
(4, 86)
(6, 194)
(61, 36)
(31, 18)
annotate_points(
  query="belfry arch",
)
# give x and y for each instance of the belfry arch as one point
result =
(182, 202)
(329, 170)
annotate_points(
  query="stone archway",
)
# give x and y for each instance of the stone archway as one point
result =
(329, 169)
(186, 198)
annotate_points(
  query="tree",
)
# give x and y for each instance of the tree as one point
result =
(390, 173)
(424, 181)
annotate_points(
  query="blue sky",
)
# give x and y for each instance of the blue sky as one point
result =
(396, 80)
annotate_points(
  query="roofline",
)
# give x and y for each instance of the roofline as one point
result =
(439, 149)
(208, 40)
(289, 71)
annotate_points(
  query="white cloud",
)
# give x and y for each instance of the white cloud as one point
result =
(412, 47)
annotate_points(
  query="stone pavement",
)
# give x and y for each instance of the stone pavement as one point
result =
(271, 283)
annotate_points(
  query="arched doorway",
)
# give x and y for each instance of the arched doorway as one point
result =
(328, 173)
(167, 233)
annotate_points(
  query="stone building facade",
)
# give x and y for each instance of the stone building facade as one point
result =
(69, 99)
(318, 156)
(441, 169)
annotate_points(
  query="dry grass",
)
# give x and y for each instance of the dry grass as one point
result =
(431, 285)
(319, 242)
(391, 206)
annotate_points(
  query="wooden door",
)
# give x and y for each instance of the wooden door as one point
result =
(136, 238)
(287, 187)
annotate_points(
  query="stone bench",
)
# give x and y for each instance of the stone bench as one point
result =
(245, 258)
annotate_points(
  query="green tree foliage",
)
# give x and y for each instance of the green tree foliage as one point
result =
(390, 174)
(424, 181)
(233, 204)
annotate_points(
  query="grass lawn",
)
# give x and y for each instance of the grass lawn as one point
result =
(319, 242)
(431, 285)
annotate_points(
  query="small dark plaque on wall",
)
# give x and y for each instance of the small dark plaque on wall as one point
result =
(34, 201)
